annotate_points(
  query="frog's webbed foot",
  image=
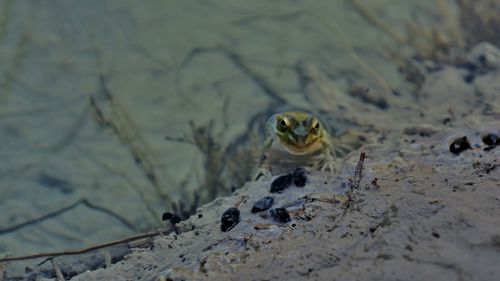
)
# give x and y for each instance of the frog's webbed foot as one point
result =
(329, 162)
(262, 173)
(264, 170)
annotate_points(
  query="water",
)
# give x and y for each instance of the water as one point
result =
(150, 68)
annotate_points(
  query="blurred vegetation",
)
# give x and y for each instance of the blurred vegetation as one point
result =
(457, 27)
(480, 21)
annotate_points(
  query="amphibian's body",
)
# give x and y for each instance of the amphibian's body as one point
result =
(296, 139)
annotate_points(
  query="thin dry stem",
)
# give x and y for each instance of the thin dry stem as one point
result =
(57, 270)
(141, 237)
(125, 129)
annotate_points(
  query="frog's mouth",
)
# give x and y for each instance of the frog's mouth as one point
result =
(301, 141)
(300, 144)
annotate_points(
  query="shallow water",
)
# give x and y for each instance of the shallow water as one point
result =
(150, 68)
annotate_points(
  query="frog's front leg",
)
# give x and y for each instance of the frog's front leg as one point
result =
(328, 158)
(264, 167)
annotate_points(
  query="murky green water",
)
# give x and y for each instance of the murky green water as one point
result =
(96, 99)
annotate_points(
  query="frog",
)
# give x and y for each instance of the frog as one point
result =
(295, 139)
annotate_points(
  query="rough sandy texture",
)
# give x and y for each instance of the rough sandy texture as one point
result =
(428, 213)
(420, 213)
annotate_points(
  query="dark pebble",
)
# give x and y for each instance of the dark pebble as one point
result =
(491, 140)
(263, 204)
(229, 219)
(280, 215)
(280, 183)
(173, 218)
(459, 145)
(299, 177)
(469, 78)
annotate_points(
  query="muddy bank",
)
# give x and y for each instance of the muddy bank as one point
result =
(420, 212)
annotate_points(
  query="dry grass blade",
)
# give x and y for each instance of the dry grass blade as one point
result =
(121, 124)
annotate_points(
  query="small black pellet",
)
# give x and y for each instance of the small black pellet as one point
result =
(280, 183)
(173, 218)
(491, 140)
(229, 219)
(263, 204)
(280, 215)
(299, 177)
(459, 145)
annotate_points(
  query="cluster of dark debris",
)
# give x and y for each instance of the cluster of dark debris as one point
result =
(490, 141)
(231, 217)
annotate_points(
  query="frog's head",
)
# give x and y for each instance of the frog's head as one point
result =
(298, 131)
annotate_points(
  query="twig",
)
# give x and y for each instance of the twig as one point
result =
(358, 171)
(108, 259)
(85, 250)
(57, 270)
(55, 213)
(358, 174)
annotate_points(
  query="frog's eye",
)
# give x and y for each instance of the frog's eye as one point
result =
(282, 124)
(315, 124)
